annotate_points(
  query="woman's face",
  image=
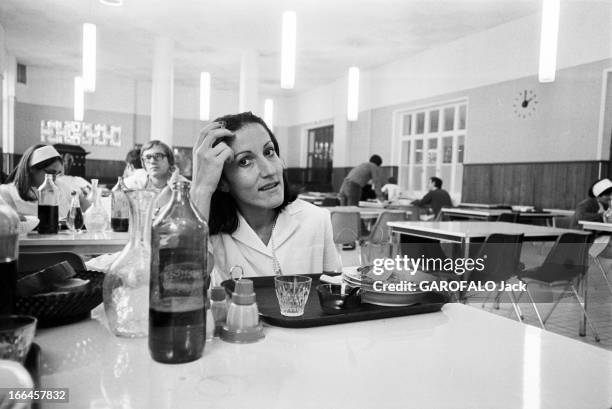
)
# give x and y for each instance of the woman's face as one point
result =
(38, 175)
(255, 176)
(155, 162)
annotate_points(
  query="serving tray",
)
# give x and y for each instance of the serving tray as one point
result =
(314, 316)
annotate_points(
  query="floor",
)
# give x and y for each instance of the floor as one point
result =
(565, 318)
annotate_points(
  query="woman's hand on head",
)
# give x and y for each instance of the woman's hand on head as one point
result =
(210, 153)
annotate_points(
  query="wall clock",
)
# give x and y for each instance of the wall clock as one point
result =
(525, 103)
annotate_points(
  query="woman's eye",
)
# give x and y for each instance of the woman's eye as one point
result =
(244, 162)
(270, 152)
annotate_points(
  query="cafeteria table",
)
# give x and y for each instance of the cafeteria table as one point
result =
(492, 214)
(596, 226)
(465, 232)
(83, 243)
(460, 357)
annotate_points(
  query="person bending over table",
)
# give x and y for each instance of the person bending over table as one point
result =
(358, 177)
(437, 197)
(255, 221)
(29, 174)
(593, 207)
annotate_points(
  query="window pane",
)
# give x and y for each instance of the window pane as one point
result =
(417, 173)
(430, 171)
(447, 149)
(432, 150)
(446, 176)
(418, 151)
(449, 118)
(404, 173)
(458, 178)
(405, 153)
(462, 110)
(434, 117)
(420, 123)
(407, 124)
(460, 148)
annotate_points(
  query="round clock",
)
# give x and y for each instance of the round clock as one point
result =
(525, 103)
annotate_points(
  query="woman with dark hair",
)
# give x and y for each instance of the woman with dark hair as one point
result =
(255, 222)
(593, 207)
(29, 174)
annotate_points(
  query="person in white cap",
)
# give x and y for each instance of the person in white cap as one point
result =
(29, 174)
(593, 207)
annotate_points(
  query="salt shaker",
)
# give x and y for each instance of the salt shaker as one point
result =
(243, 324)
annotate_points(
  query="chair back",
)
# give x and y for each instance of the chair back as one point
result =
(567, 259)
(330, 202)
(345, 226)
(32, 262)
(380, 231)
(501, 254)
(508, 217)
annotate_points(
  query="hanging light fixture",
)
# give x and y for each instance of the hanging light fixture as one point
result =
(352, 104)
(288, 50)
(89, 57)
(269, 112)
(548, 40)
(113, 3)
(204, 96)
(79, 99)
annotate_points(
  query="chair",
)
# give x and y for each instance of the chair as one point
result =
(345, 227)
(378, 242)
(606, 253)
(508, 217)
(565, 266)
(32, 262)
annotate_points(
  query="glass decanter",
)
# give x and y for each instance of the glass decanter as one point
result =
(126, 285)
(96, 218)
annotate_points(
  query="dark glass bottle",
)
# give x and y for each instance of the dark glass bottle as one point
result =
(179, 281)
(120, 207)
(9, 249)
(48, 206)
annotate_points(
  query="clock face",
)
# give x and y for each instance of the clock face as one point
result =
(525, 103)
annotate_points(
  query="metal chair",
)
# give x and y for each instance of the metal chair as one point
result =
(606, 253)
(565, 266)
(378, 242)
(345, 227)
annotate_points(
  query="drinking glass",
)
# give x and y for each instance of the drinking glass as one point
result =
(292, 293)
(16, 336)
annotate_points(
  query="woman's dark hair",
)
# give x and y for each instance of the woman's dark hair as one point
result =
(22, 174)
(223, 207)
(165, 148)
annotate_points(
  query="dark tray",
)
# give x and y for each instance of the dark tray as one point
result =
(314, 315)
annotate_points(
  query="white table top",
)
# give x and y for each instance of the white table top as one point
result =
(485, 212)
(462, 357)
(81, 243)
(364, 212)
(474, 229)
(598, 226)
(480, 205)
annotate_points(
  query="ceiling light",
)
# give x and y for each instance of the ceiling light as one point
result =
(79, 99)
(548, 40)
(288, 50)
(204, 96)
(352, 105)
(89, 57)
(269, 112)
(114, 3)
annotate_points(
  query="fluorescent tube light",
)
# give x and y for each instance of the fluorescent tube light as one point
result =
(352, 105)
(548, 40)
(288, 50)
(89, 57)
(269, 112)
(79, 99)
(204, 96)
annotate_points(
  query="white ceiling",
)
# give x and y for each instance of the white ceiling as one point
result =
(210, 34)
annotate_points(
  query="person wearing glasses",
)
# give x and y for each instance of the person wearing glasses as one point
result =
(29, 174)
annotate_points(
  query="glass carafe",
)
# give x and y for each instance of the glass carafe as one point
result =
(126, 285)
(179, 281)
(96, 218)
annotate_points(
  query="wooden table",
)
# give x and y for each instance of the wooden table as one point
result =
(81, 243)
(465, 232)
(428, 361)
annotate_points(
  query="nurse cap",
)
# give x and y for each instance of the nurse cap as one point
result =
(42, 154)
(601, 187)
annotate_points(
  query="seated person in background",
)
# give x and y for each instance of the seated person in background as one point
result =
(593, 207)
(24, 180)
(391, 189)
(255, 222)
(133, 164)
(358, 177)
(437, 197)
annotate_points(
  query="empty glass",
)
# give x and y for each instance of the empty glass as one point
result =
(16, 336)
(292, 293)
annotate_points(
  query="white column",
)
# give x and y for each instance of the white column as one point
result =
(9, 80)
(162, 90)
(249, 83)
